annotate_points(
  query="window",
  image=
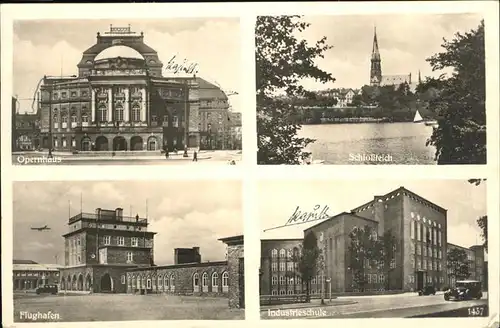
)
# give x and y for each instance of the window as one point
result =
(138, 282)
(289, 266)
(132, 281)
(160, 281)
(123, 279)
(120, 241)
(204, 279)
(85, 118)
(419, 231)
(135, 241)
(424, 263)
(274, 266)
(172, 281)
(102, 113)
(225, 277)
(282, 280)
(196, 280)
(289, 253)
(215, 280)
(63, 142)
(118, 113)
(85, 93)
(425, 251)
(412, 248)
(166, 280)
(274, 253)
(73, 94)
(148, 286)
(107, 240)
(412, 229)
(136, 113)
(130, 257)
(64, 94)
(274, 292)
(413, 262)
(282, 266)
(274, 280)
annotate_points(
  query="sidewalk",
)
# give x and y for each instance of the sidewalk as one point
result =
(314, 303)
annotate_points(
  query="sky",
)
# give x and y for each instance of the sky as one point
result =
(183, 213)
(405, 41)
(465, 203)
(47, 47)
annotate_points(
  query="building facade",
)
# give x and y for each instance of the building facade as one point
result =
(475, 262)
(100, 246)
(28, 275)
(419, 228)
(106, 252)
(126, 104)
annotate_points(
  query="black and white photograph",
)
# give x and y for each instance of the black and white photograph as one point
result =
(373, 249)
(371, 89)
(128, 250)
(126, 91)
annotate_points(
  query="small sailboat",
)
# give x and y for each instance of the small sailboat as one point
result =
(418, 119)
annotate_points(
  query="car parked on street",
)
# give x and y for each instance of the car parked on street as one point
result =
(464, 290)
(47, 289)
(427, 290)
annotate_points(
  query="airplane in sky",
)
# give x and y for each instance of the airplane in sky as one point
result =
(41, 228)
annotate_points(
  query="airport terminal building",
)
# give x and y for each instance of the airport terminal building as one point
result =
(107, 252)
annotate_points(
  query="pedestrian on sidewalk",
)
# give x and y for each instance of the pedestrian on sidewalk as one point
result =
(166, 153)
(195, 156)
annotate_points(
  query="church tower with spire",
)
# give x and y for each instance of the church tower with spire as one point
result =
(376, 69)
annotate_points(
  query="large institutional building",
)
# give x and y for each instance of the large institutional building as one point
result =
(376, 77)
(420, 230)
(124, 104)
(106, 252)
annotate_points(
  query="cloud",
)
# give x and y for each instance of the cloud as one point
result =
(49, 48)
(182, 213)
(405, 41)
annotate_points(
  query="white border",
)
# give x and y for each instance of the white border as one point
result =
(248, 171)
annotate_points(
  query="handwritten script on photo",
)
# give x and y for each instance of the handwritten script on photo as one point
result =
(300, 216)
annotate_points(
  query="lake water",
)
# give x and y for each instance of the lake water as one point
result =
(393, 143)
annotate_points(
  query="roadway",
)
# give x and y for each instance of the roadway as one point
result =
(386, 306)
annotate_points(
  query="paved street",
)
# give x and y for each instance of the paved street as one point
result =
(121, 307)
(400, 306)
(204, 157)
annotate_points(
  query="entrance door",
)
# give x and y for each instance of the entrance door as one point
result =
(420, 280)
(241, 286)
(106, 283)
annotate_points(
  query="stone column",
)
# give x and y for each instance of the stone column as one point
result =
(92, 105)
(235, 268)
(110, 104)
(126, 114)
(143, 104)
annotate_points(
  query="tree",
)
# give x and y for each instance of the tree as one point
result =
(482, 222)
(282, 61)
(460, 137)
(308, 259)
(458, 264)
(385, 251)
(361, 253)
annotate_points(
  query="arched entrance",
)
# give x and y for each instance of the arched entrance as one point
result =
(136, 143)
(152, 144)
(63, 284)
(88, 282)
(86, 144)
(106, 283)
(79, 285)
(101, 143)
(119, 143)
(73, 283)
